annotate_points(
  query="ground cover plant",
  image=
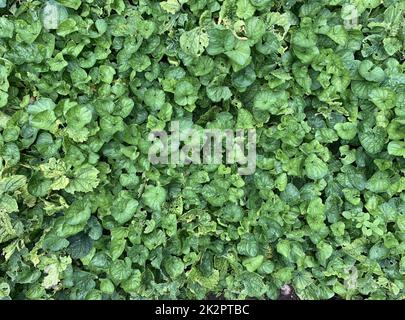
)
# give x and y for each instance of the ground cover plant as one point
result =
(85, 215)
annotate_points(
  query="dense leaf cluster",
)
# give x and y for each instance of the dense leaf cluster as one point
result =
(84, 214)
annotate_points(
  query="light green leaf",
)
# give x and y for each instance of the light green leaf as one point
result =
(154, 197)
(194, 42)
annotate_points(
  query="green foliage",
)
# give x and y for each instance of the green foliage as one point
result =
(85, 215)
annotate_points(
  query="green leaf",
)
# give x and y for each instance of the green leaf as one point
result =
(6, 28)
(154, 99)
(118, 242)
(245, 119)
(253, 263)
(315, 168)
(396, 148)
(240, 55)
(124, 207)
(57, 63)
(338, 34)
(154, 197)
(27, 31)
(8, 204)
(132, 284)
(67, 27)
(383, 98)
(185, 93)
(174, 266)
(107, 286)
(12, 183)
(316, 214)
(54, 243)
(379, 182)
(84, 179)
(373, 140)
(325, 251)
(74, 4)
(171, 6)
(208, 282)
(255, 29)
(271, 101)
(371, 72)
(78, 213)
(346, 130)
(219, 93)
(106, 73)
(194, 42)
(80, 245)
(284, 248)
(220, 41)
(253, 285)
(78, 116)
(244, 9)
(120, 270)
